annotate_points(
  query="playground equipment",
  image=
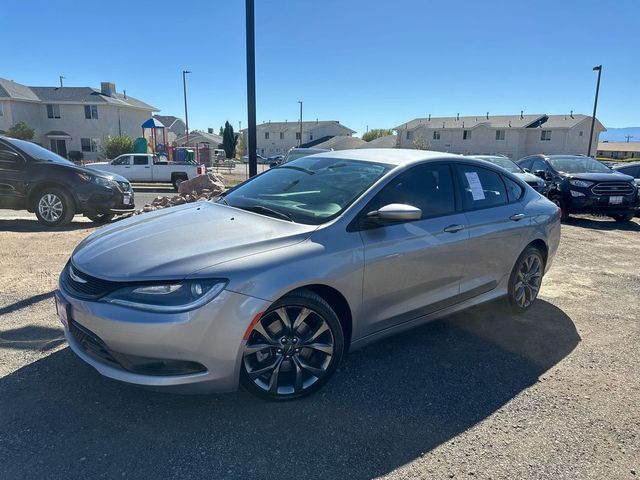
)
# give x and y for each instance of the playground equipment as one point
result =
(154, 126)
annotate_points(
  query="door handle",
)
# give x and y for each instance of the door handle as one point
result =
(516, 217)
(127, 167)
(147, 167)
(453, 228)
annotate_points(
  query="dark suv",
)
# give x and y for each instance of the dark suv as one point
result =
(36, 179)
(579, 184)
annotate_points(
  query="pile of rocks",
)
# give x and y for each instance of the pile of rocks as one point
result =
(197, 189)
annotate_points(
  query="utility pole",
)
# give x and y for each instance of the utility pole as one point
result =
(597, 68)
(300, 141)
(186, 114)
(252, 137)
(628, 137)
(61, 78)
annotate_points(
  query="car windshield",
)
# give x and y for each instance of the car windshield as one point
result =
(578, 165)
(310, 190)
(503, 162)
(295, 155)
(37, 152)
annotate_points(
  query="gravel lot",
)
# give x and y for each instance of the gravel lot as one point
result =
(554, 393)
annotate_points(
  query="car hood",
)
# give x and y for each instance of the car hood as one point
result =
(528, 177)
(175, 242)
(85, 169)
(601, 177)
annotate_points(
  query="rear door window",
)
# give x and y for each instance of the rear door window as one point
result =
(514, 189)
(140, 160)
(481, 188)
(9, 161)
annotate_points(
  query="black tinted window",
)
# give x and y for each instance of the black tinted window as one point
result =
(140, 160)
(428, 187)
(9, 160)
(538, 164)
(633, 171)
(514, 189)
(525, 163)
(481, 188)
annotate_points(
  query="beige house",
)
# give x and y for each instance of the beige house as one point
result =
(512, 135)
(619, 150)
(276, 138)
(69, 119)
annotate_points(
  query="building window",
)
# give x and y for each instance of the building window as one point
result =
(89, 144)
(580, 133)
(545, 135)
(310, 137)
(409, 135)
(266, 135)
(1, 110)
(90, 112)
(281, 135)
(436, 135)
(53, 111)
(298, 136)
(466, 134)
(499, 134)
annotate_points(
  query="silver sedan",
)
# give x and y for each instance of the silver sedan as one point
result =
(272, 284)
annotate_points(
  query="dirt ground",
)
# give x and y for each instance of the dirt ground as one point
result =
(553, 393)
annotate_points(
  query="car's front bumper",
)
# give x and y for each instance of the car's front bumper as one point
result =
(211, 336)
(106, 200)
(601, 205)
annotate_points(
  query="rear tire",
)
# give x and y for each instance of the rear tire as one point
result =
(177, 181)
(293, 349)
(54, 207)
(623, 217)
(100, 217)
(525, 279)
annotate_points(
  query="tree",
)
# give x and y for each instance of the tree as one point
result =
(421, 144)
(116, 145)
(376, 133)
(21, 131)
(229, 140)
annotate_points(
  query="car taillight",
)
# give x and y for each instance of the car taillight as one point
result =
(200, 170)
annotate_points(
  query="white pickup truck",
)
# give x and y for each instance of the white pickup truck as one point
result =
(141, 167)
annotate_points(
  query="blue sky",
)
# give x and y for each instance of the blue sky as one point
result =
(374, 63)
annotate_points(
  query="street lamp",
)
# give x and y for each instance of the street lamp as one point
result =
(300, 142)
(186, 114)
(252, 136)
(597, 68)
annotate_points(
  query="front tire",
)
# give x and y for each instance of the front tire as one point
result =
(293, 349)
(623, 217)
(564, 211)
(100, 217)
(54, 207)
(525, 279)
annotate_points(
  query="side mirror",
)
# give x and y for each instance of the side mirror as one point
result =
(396, 212)
(540, 173)
(274, 164)
(526, 170)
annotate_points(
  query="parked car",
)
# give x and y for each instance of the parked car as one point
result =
(260, 158)
(35, 179)
(147, 168)
(579, 184)
(632, 169)
(297, 152)
(509, 165)
(293, 268)
(275, 159)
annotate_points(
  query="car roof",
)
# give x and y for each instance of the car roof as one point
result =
(391, 156)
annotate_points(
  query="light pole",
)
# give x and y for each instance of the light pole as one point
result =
(597, 68)
(300, 141)
(186, 114)
(252, 136)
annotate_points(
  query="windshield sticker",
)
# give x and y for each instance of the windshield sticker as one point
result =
(476, 187)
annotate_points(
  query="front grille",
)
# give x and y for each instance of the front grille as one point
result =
(93, 346)
(81, 285)
(613, 188)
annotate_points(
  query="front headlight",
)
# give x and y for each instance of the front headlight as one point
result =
(580, 183)
(103, 182)
(170, 297)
